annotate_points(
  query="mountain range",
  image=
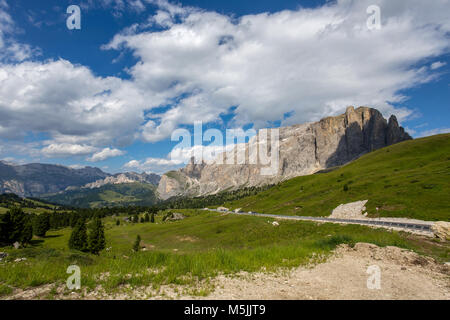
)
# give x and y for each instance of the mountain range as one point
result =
(303, 149)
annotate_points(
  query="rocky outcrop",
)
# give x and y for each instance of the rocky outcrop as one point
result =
(127, 177)
(441, 230)
(303, 149)
(353, 210)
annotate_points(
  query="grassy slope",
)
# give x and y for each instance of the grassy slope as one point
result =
(109, 195)
(41, 207)
(196, 248)
(409, 179)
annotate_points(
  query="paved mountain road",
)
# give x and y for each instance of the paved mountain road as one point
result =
(424, 226)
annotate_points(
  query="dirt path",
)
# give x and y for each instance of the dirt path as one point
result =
(404, 275)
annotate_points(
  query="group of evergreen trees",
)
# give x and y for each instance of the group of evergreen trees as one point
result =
(15, 226)
(18, 226)
(148, 216)
(94, 242)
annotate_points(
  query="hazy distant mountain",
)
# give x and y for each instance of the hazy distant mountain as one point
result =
(35, 179)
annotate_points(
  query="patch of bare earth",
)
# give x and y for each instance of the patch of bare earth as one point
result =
(404, 275)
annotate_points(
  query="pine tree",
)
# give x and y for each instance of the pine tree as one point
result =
(97, 240)
(41, 224)
(135, 218)
(147, 217)
(15, 227)
(117, 222)
(78, 239)
(137, 243)
(27, 233)
(74, 217)
(153, 218)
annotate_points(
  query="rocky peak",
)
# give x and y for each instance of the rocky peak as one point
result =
(304, 149)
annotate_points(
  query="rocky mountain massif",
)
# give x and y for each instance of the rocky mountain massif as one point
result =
(127, 177)
(303, 149)
(32, 180)
(35, 180)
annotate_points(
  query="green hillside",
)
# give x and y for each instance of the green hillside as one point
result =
(409, 179)
(111, 195)
(201, 246)
(7, 201)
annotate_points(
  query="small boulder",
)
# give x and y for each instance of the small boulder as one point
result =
(276, 224)
(173, 216)
(3, 255)
(17, 245)
(441, 229)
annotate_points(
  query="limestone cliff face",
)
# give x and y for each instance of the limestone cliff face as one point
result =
(303, 149)
(127, 177)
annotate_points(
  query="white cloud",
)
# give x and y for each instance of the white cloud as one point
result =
(10, 49)
(67, 150)
(433, 132)
(437, 65)
(309, 63)
(76, 166)
(105, 154)
(156, 165)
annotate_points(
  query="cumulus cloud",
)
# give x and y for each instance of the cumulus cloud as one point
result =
(76, 166)
(105, 154)
(307, 63)
(437, 65)
(179, 157)
(68, 102)
(155, 165)
(66, 150)
(291, 66)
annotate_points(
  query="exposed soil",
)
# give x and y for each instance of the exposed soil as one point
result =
(404, 275)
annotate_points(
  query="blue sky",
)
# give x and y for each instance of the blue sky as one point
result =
(111, 94)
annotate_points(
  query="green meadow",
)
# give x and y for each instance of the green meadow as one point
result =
(410, 179)
(197, 248)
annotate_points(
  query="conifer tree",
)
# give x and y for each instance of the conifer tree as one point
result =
(97, 240)
(147, 217)
(117, 222)
(27, 233)
(15, 226)
(78, 239)
(41, 224)
(153, 218)
(137, 243)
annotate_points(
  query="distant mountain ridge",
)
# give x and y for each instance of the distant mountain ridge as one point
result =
(35, 179)
(304, 149)
(127, 177)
